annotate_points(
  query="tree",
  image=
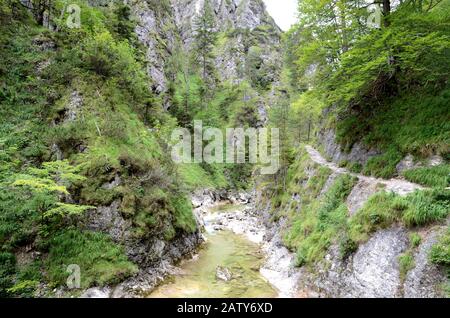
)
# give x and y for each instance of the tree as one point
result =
(48, 186)
(205, 39)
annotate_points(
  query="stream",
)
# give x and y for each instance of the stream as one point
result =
(233, 262)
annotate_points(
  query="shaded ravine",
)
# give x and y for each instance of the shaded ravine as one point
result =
(398, 186)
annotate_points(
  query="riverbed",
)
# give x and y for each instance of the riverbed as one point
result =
(235, 261)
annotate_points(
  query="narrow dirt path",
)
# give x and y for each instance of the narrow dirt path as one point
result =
(396, 185)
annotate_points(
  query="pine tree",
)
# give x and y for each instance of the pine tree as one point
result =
(205, 39)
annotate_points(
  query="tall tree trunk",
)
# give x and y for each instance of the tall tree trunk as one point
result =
(386, 11)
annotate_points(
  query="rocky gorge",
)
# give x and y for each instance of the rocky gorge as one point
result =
(94, 204)
(371, 271)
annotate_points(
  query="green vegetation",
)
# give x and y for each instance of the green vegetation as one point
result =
(383, 209)
(415, 239)
(320, 223)
(384, 85)
(438, 176)
(383, 166)
(81, 94)
(406, 263)
(319, 219)
(440, 253)
(101, 261)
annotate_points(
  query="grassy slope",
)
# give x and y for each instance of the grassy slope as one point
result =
(317, 220)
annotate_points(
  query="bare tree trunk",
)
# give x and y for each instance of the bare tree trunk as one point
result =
(386, 11)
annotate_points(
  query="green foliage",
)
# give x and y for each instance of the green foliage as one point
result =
(101, 261)
(406, 263)
(383, 166)
(385, 87)
(23, 287)
(7, 269)
(437, 176)
(184, 219)
(259, 71)
(106, 136)
(440, 252)
(196, 176)
(205, 39)
(415, 239)
(383, 209)
(320, 223)
(427, 207)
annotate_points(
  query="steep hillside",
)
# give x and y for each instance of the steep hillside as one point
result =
(370, 217)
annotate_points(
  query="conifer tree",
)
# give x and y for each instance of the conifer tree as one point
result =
(205, 39)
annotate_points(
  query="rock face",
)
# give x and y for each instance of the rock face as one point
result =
(168, 26)
(360, 194)
(154, 255)
(359, 153)
(372, 271)
(423, 280)
(409, 163)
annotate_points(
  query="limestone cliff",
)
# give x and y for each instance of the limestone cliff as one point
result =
(165, 26)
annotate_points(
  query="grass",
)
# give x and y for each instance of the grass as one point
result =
(409, 124)
(438, 176)
(380, 211)
(383, 209)
(100, 259)
(319, 223)
(406, 263)
(426, 207)
(440, 255)
(383, 166)
(440, 252)
(194, 177)
(415, 239)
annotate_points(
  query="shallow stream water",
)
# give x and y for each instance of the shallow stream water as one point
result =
(223, 249)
